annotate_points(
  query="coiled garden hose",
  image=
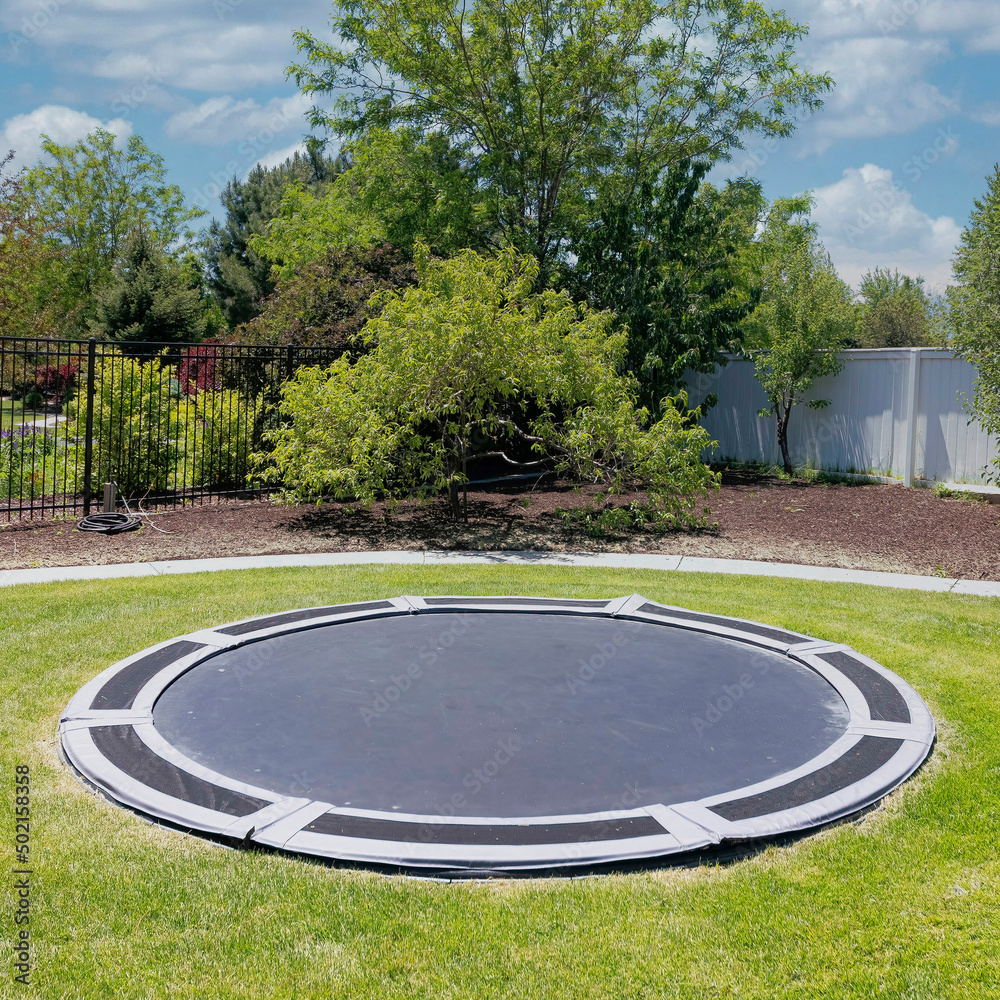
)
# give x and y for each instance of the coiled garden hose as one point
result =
(111, 523)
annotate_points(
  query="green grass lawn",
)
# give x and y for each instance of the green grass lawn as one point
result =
(11, 411)
(901, 905)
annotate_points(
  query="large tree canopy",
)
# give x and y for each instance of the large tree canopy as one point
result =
(397, 188)
(548, 100)
(90, 197)
(23, 256)
(665, 259)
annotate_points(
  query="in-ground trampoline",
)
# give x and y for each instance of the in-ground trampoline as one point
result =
(474, 734)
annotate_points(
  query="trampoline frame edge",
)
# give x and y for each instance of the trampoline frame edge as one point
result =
(684, 826)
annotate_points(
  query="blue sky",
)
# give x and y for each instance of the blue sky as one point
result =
(895, 158)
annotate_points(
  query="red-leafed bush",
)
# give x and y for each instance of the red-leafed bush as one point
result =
(54, 380)
(47, 384)
(196, 371)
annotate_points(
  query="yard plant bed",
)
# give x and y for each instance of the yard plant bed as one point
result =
(875, 527)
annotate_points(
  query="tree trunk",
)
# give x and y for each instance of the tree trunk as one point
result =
(783, 414)
(454, 499)
(452, 465)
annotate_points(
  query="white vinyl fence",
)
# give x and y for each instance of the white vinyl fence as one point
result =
(896, 414)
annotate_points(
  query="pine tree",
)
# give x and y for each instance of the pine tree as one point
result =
(239, 279)
(150, 297)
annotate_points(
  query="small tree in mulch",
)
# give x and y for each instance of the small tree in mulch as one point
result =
(473, 364)
(805, 314)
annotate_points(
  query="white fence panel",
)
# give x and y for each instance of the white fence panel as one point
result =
(893, 413)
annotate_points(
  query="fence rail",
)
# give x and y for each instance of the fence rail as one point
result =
(170, 423)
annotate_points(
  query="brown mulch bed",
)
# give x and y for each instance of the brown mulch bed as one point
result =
(855, 526)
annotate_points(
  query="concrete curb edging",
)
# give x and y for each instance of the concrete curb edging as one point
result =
(609, 560)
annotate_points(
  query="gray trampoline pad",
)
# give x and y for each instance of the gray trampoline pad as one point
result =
(500, 714)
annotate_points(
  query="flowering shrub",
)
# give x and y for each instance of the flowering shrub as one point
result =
(46, 384)
(151, 437)
(141, 432)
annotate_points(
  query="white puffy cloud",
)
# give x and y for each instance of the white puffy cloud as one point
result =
(868, 219)
(986, 114)
(63, 125)
(976, 22)
(879, 89)
(207, 45)
(221, 120)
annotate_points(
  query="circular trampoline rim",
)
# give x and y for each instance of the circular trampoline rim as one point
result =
(281, 821)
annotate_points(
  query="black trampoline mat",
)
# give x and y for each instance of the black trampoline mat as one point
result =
(500, 714)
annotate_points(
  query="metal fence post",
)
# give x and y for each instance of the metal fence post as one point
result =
(289, 362)
(88, 447)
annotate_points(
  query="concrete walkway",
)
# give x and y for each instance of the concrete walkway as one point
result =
(609, 560)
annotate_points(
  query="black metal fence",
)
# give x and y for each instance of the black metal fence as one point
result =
(169, 423)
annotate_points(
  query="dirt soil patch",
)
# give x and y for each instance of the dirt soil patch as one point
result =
(854, 526)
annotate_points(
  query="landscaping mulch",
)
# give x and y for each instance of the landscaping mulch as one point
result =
(875, 527)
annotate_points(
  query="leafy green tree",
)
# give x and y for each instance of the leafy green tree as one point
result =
(805, 314)
(665, 259)
(399, 187)
(239, 278)
(307, 227)
(548, 102)
(89, 197)
(895, 311)
(24, 255)
(327, 301)
(151, 297)
(420, 187)
(472, 355)
(975, 305)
